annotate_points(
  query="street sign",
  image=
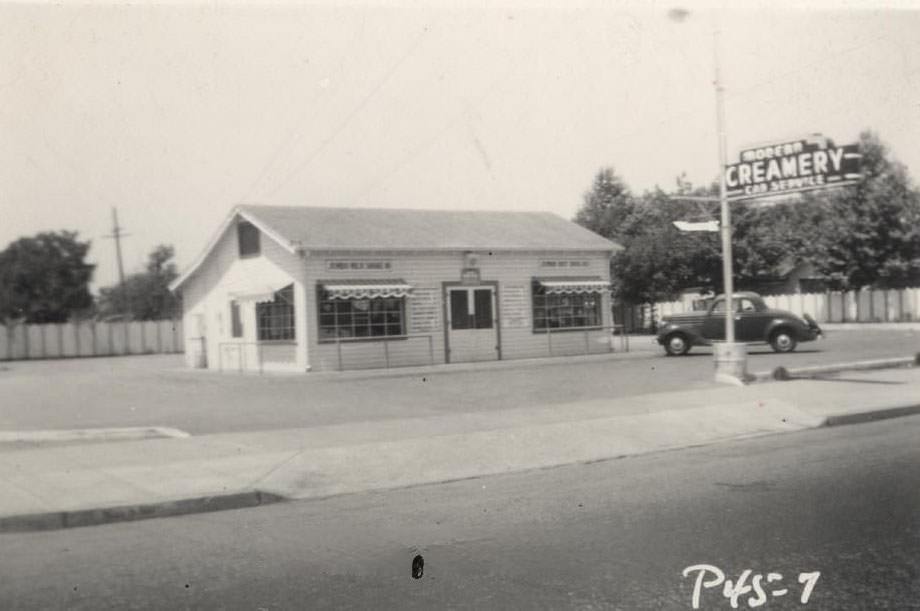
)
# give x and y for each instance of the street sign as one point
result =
(792, 167)
(700, 226)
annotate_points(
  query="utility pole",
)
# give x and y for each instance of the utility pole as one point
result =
(730, 356)
(117, 234)
(726, 225)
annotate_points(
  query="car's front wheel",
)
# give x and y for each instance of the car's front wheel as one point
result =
(677, 344)
(782, 341)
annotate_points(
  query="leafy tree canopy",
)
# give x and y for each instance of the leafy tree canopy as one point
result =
(145, 295)
(868, 234)
(862, 235)
(45, 278)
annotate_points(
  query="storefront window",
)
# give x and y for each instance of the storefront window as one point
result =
(366, 317)
(565, 310)
(276, 318)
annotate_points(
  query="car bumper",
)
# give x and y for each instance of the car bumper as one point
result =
(812, 334)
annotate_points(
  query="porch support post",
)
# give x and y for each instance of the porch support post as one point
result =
(301, 333)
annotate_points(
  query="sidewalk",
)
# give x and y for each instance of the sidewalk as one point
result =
(103, 482)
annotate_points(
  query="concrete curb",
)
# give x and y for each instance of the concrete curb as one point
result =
(871, 416)
(783, 374)
(92, 435)
(56, 520)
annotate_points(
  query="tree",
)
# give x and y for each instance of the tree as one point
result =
(868, 234)
(44, 278)
(145, 295)
(658, 260)
(606, 205)
(862, 235)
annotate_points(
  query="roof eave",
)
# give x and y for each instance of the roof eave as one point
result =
(288, 245)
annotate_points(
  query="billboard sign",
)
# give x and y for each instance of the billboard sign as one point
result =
(792, 167)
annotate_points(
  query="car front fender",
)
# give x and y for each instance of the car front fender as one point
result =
(693, 332)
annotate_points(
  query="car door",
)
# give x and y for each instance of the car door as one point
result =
(714, 325)
(753, 323)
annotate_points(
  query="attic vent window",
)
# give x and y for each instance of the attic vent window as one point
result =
(248, 235)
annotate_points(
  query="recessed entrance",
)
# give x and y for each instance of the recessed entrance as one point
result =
(472, 327)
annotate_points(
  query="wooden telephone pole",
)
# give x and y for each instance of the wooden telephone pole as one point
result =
(117, 234)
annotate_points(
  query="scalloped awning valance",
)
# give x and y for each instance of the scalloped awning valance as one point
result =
(570, 286)
(369, 289)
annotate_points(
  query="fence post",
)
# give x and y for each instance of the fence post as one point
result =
(338, 347)
(386, 352)
(549, 338)
(430, 349)
(586, 341)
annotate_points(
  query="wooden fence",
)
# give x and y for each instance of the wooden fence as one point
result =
(869, 305)
(85, 339)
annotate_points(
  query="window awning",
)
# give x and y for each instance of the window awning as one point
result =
(366, 289)
(568, 286)
(256, 296)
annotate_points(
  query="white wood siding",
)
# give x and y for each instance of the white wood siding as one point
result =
(512, 271)
(208, 293)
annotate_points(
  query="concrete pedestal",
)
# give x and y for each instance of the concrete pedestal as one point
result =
(730, 362)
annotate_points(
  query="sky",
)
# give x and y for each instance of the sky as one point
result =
(174, 113)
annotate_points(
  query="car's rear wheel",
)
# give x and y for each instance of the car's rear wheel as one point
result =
(783, 341)
(677, 344)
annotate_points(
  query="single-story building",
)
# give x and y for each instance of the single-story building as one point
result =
(308, 288)
(792, 277)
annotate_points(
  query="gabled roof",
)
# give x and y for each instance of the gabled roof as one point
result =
(400, 229)
(300, 228)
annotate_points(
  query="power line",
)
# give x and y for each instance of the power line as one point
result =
(297, 134)
(425, 144)
(351, 115)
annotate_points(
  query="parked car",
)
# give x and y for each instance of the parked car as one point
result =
(755, 322)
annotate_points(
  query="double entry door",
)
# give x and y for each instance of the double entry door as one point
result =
(472, 325)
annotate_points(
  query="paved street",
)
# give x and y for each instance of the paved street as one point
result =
(844, 502)
(157, 391)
